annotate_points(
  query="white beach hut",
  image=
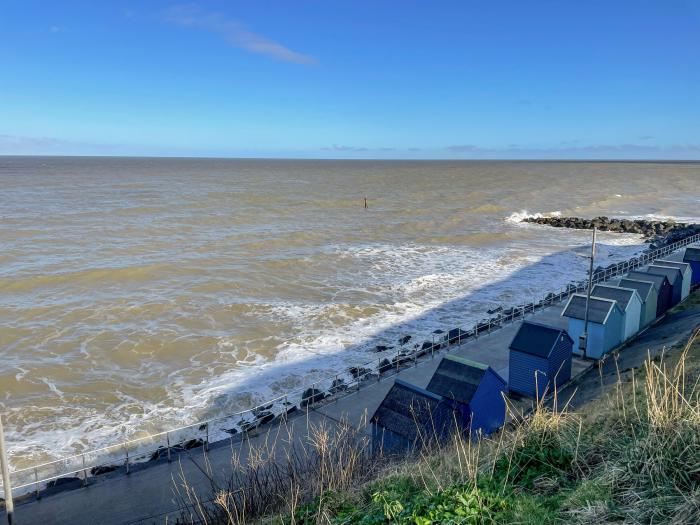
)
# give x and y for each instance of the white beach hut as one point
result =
(629, 302)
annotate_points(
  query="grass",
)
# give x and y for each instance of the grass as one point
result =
(632, 456)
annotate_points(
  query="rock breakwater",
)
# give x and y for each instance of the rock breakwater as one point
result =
(657, 233)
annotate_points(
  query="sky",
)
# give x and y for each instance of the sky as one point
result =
(352, 79)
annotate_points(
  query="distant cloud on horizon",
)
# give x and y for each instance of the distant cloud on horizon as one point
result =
(235, 33)
(463, 148)
(572, 150)
(43, 145)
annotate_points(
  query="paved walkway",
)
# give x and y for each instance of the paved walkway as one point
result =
(147, 494)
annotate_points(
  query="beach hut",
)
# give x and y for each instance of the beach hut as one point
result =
(674, 276)
(540, 359)
(605, 324)
(629, 302)
(663, 289)
(476, 388)
(649, 296)
(692, 257)
(686, 271)
(410, 416)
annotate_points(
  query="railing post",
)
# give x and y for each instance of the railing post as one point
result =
(206, 443)
(6, 485)
(36, 483)
(167, 442)
(126, 450)
(84, 471)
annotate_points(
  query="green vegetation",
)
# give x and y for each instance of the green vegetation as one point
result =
(631, 456)
(634, 456)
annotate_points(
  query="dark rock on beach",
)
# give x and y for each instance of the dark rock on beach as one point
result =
(311, 396)
(357, 371)
(65, 482)
(103, 469)
(192, 443)
(455, 335)
(264, 417)
(338, 385)
(384, 366)
(400, 359)
(261, 409)
(247, 426)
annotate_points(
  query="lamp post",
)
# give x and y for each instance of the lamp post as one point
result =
(583, 339)
(7, 488)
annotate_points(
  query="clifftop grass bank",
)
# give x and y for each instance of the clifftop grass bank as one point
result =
(630, 456)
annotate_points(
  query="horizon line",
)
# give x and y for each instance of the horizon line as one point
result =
(377, 159)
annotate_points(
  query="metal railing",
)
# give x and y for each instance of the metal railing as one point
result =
(127, 455)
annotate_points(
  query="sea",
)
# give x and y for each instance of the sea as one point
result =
(141, 294)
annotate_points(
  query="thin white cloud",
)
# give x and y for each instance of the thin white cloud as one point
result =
(234, 33)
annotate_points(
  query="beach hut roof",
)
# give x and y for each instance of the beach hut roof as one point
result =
(658, 280)
(644, 288)
(599, 309)
(673, 274)
(407, 409)
(682, 266)
(623, 296)
(457, 378)
(537, 339)
(692, 254)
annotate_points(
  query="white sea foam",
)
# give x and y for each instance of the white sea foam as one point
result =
(663, 217)
(519, 216)
(421, 288)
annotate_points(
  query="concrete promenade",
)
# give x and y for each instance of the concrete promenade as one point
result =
(147, 495)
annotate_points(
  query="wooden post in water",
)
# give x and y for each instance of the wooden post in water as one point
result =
(6, 486)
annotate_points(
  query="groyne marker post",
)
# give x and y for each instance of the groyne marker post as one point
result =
(6, 486)
(583, 340)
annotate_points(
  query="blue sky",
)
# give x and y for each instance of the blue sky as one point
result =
(355, 79)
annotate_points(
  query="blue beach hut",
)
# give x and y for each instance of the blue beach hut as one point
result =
(605, 324)
(686, 271)
(540, 359)
(674, 276)
(649, 296)
(629, 302)
(409, 417)
(692, 257)
(476, 389)
(663, 289)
